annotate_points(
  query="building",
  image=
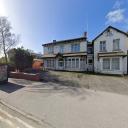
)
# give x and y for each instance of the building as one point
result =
(110, 52)
(37, 64)
(69, 55)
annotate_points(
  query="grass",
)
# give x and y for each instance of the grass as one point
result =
(100, 82)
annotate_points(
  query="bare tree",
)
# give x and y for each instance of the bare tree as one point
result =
(7, 38)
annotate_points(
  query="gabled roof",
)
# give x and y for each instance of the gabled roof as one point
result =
(65, 41)
(118, 30)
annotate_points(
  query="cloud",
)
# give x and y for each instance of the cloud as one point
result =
(118, 4)
(117, 13)
(115, 16)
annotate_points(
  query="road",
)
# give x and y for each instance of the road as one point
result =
(10, 118)
(10, 121)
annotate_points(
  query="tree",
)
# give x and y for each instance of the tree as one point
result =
(7, 38)
(21, 58)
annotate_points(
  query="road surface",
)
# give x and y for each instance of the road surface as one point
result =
(10, 118)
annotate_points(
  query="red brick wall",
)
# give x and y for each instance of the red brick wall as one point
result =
(27, 76)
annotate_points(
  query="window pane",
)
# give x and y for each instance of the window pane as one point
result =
(73, 63)
(102, 45)
(116, 44)
(61, 49)
(75, 47)
(77, 63)
(116, 63)
(106, 63)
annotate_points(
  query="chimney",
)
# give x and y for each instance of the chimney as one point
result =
(54, 41)
(85, 34)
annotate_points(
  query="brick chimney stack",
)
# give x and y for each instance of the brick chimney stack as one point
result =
(85, 34)
(54, 41)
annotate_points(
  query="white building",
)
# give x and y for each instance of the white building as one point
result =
(110, 51)
(70, 55)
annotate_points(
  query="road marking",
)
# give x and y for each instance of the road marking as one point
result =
(16, 118)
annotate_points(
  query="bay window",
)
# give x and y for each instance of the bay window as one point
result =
(111, 64)
(115, 63)
(106, 64)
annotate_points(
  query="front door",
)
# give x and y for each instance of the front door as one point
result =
(61, 64)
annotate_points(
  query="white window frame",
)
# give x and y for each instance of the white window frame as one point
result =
(116, 44)
(109, 64)
(114, 63)
(50, 50)
(62, 49)
(103, 46)
(75, 47)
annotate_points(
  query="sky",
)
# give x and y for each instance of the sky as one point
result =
(41, 21)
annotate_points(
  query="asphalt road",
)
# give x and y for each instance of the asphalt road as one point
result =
(12, 118)
(9, 121)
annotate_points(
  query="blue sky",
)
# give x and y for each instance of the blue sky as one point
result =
(41, 21)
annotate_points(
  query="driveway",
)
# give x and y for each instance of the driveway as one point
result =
(62, 103)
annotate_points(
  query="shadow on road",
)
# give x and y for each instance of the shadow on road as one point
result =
(51, 83)
(10, 87)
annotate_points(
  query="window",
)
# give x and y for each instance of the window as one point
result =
(106, 64)
(75, 47)
(90, 61)
(69, 63)
(116, 44)
(102, 45)
(90, 50)
(77, 63)
(61, 62)
(73, 62)
(115, 63)
(50, 50)
(50, 63)
(61, 49)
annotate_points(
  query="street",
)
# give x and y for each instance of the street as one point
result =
(9, 121)
(68, 100)
(10, 118)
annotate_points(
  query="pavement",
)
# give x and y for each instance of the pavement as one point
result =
(60, 106)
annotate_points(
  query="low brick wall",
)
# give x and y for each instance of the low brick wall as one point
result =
(27, 76)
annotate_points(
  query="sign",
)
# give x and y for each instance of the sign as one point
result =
(3, 73)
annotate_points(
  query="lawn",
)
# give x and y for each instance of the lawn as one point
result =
(116, 84)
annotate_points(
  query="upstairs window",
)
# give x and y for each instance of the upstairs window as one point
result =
(90, 51)
(61, 49)
(116, 44)
(102, 46)
(50, 50)
(75, 47)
